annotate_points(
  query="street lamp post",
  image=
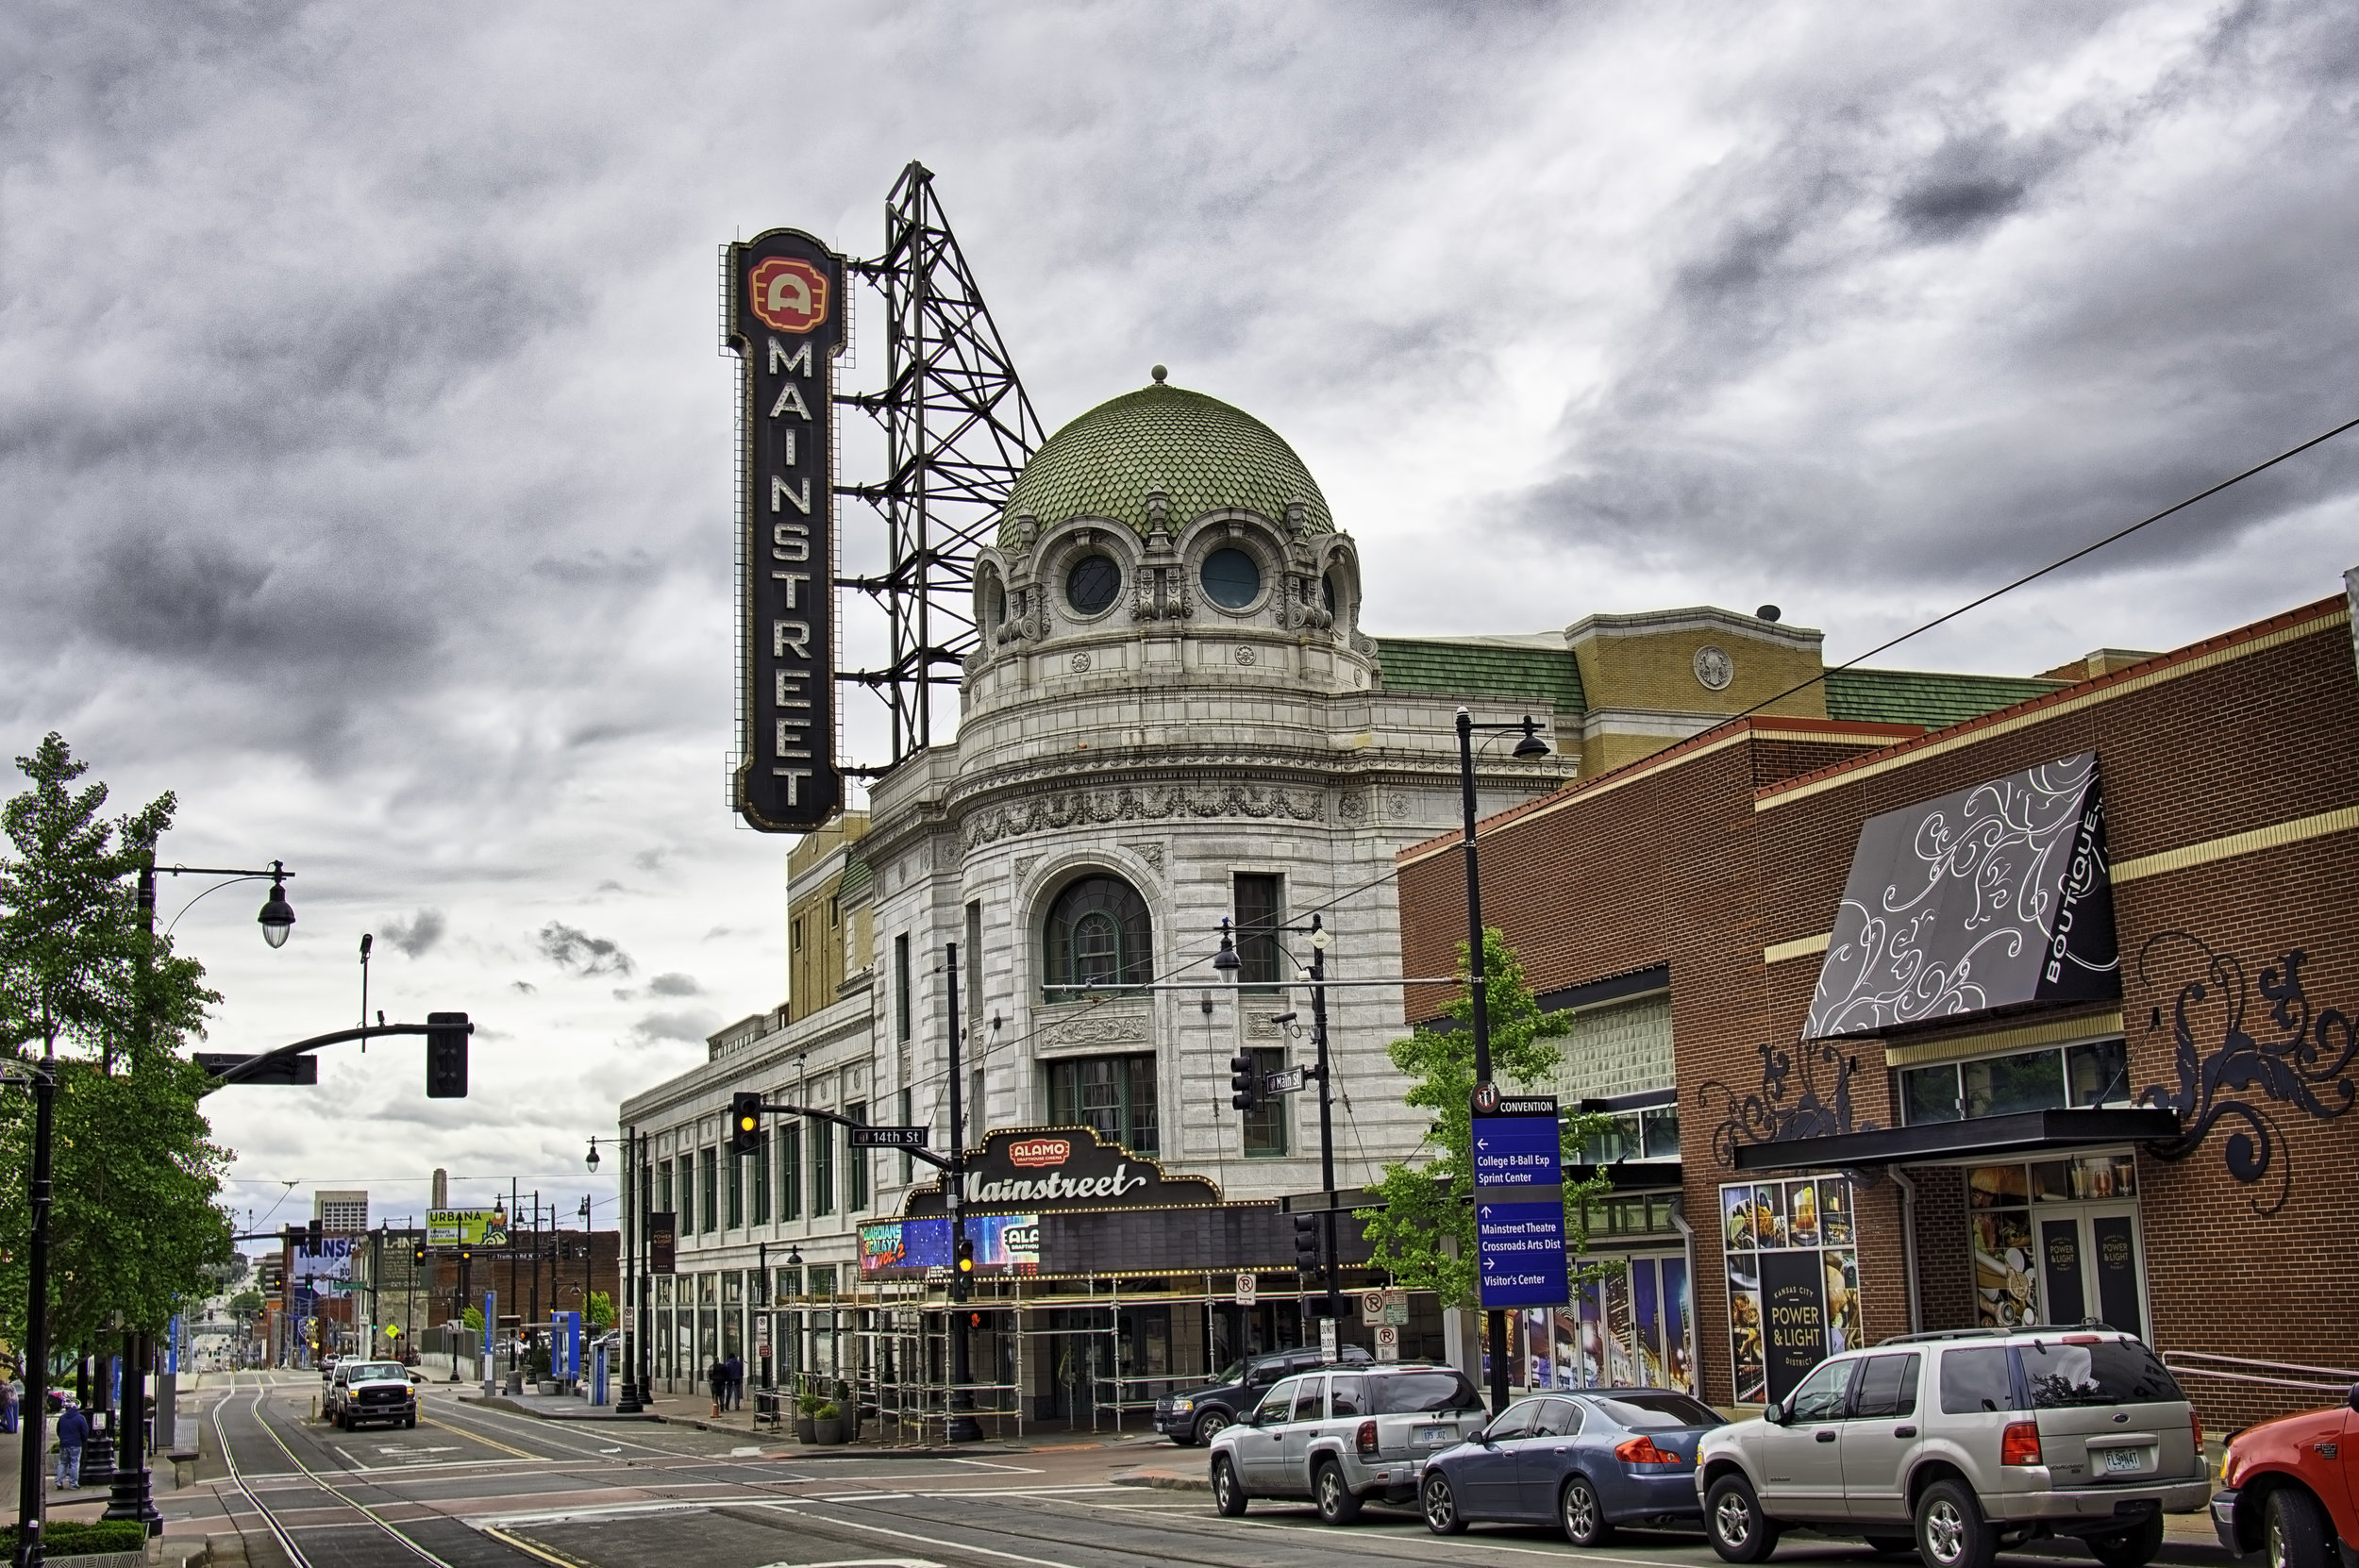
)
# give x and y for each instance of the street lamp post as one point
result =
(1530, 747)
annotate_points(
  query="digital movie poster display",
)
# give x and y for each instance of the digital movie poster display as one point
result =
(1793, 1278)
(785, 321)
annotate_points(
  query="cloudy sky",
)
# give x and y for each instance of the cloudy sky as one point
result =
(365, 448)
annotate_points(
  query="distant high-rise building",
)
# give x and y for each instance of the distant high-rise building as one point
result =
(345, 1213)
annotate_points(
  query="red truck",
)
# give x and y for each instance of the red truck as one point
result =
(2290, 1488)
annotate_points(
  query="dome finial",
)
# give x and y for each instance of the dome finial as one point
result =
(1158, 372)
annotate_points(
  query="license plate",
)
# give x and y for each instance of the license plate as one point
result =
(2119, 1460)
(1432, 1437)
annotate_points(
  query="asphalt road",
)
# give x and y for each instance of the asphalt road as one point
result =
(472, 1487)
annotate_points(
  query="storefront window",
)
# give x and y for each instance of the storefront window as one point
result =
(1115, 1094)
(1793, 1281)
(663, 1290)
(732, 1288)
(2057, 1242)
(2086, 1076)
(1634, 1328)
(1650, 1132)
(823, 1280)
(707, 1290)
(789, 1284)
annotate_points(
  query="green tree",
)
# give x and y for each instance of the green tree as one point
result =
(473, 1318)
(133, 1226)
(601, 1313)
(1424, 1235)
(245, 1304)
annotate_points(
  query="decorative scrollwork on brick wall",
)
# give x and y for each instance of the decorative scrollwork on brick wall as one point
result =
(2220, 1063)
(1765, 1115)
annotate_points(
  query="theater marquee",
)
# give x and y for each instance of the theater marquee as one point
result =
(785, 320)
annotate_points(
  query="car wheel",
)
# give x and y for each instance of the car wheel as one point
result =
(1337, 1506)
(1892, 1545)
(1210, 1425)
(1582, 1516)
(2129, 1549)
(411, 1422)
(1441, 1506)
(1740, 1531)
(1951, 1529)
(1228, 1494)
(2294, 1533)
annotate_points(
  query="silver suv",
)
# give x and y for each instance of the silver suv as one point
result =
(1344, 1434)
(1953, 1445)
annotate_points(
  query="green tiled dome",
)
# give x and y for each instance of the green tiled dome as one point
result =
(1197, 450)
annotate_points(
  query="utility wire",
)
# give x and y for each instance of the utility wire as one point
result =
(2056, 565)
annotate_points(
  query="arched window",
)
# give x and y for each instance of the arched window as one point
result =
(1099, 934)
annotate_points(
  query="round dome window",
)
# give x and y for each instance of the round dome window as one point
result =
(1232, 579)
(1089, 588)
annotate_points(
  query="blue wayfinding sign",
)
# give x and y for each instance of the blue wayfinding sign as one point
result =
(1519, 1201)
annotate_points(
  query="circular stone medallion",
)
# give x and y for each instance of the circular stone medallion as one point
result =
(1714, 669)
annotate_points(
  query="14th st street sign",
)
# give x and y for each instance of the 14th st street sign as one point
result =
(1519, 1202)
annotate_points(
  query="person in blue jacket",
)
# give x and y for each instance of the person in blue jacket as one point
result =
(73, 1431)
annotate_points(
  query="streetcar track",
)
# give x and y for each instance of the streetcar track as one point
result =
(296, 1555)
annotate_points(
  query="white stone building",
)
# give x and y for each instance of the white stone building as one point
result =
(1176, 718)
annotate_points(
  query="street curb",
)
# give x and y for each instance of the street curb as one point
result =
(502, 1402)
(1163, 1480)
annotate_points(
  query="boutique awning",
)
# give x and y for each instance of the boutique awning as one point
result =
(2024, 1134)
(1991, 897)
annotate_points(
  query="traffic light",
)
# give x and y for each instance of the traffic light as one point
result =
(313, 1236)
(1307, 1239)
(1245, 1079)
(966, 1256)
(978, 1322)
(417, 1252)
(446, 1056)
(744, 1124)
(466, 1255)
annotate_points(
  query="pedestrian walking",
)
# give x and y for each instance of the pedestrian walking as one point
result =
(8, 1406)
(73, 1431)
(736, 1367)
(718, 1376)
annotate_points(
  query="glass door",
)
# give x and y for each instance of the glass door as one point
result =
(2091, 1267)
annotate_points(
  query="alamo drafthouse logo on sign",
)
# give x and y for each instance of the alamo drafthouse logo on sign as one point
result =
(1034, 1153)
(1029, 1170)
(785, 321)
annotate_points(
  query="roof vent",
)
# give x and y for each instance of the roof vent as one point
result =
(1767, 612)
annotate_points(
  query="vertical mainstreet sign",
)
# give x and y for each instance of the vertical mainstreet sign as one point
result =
(784, 317)
(1519, 1203)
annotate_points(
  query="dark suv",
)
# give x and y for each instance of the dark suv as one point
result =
(1199, 1417)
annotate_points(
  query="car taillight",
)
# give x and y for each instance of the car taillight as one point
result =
(2019, 1443)
(1641, 1450)
(1365, 1439)
(2195, 1426)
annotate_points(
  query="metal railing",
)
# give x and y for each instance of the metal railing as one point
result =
(2177, 1360)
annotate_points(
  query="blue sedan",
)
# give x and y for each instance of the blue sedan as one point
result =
(1586, 1463)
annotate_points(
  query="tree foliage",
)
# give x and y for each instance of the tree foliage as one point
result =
(133, 1223)
(1424, 1235)
(601, 1313)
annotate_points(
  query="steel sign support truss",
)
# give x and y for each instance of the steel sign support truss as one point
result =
(958, 429)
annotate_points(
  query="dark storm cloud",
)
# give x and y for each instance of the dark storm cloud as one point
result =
(675, 985)
(2207, 308)
(417, 935)
(691, 1027)
(585, 955)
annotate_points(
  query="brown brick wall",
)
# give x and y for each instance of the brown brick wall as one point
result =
(1673, 863)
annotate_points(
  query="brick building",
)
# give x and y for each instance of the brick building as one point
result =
(2044, 1015)
(542, 1273)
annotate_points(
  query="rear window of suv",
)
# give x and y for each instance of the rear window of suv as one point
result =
(1410, 1392)
(2110, 1371)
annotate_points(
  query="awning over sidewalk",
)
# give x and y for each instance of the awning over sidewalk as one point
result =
(2024, 1134)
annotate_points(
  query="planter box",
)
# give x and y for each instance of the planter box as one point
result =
(98, 1559)
(827, 1432)
(805, 1430)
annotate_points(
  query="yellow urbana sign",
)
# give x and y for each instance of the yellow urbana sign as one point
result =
(466, 1227)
